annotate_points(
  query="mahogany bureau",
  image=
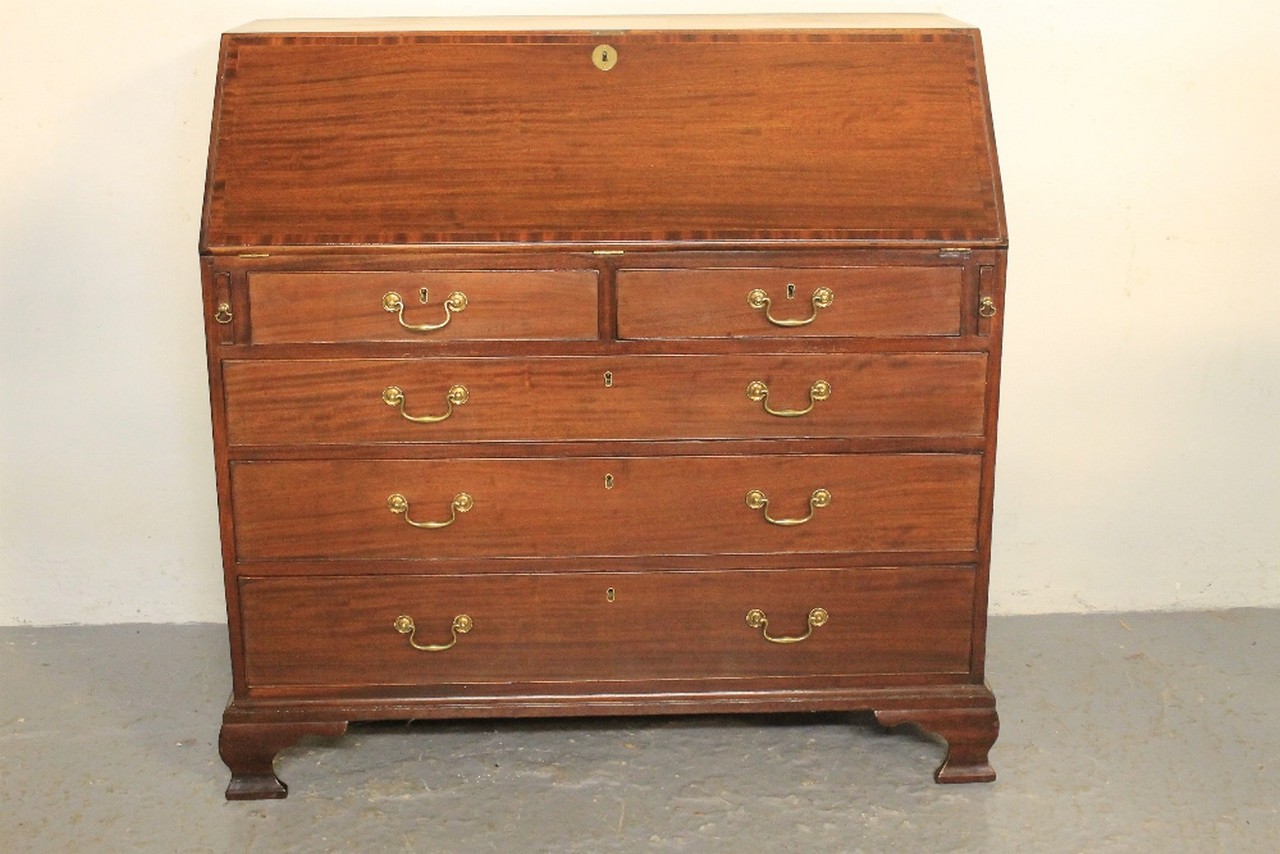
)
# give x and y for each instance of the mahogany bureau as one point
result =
(603, 367)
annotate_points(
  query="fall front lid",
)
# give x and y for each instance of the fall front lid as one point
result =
(417, 137)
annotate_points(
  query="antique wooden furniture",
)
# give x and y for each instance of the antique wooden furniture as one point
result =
(617, 366)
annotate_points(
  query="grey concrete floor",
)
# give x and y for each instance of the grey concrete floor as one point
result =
(1137, 732)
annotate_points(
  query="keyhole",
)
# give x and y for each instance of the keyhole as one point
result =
(791, 291)
(608, 379)
(608, 481)
(604, 56)
(422, 295)
(609, 595)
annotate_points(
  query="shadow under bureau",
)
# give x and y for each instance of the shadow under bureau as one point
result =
(603, 367)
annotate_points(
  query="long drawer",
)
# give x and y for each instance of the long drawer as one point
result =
(349, 631)
(789, 302)
(436, 305)
(624, 397)
(472, 508)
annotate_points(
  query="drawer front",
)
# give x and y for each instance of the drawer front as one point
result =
(798, 302)
(643, 397)
(385, 306)
(617, 506)
(337, 631)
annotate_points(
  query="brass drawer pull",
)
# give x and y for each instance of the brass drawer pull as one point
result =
(457, 395)
(757, 500)
(461, 625)
(759, 392)
(759, 300)
(461, 503)
(757, 620)
(454, 303)
(223, 314)
(987, 307)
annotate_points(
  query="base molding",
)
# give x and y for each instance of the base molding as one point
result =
(254, 731)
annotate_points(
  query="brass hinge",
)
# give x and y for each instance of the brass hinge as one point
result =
(255, 255)
(606, 251)
(955, 252)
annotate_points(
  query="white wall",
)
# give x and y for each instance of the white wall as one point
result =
(1139, 143)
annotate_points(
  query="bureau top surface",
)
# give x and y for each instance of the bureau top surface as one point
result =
(604, 23)
(697, 131)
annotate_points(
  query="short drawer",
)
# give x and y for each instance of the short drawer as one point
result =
(790, 302)
(437, 305)
(597, 398)
(582, 627)
(529, 508)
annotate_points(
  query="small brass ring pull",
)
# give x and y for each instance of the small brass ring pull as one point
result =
(454, 303)
(461, 503)
(757, 500)
(759, 392)
(822, 298)
(461, 625)
(757, 620)
(987, 307)
(223, 314)
(457, 395)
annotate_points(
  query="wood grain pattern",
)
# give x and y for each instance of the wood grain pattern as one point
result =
(456, 138)
(604, 223)
(876, 301)
(563, 399)
(337, 631)
(501, 305)
(529, 507)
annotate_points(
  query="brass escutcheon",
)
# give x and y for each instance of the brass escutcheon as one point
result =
(604, 57)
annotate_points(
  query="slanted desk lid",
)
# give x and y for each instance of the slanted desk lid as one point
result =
(828, 133)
